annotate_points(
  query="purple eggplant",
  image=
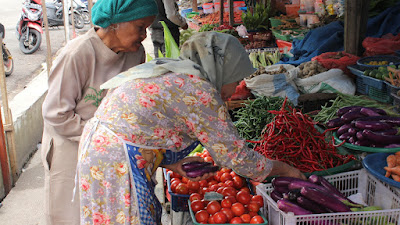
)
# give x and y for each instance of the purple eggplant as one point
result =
(283, 181)
(337, 122)
(381, 112)
(287, 206)
(372, 125)
(344, 128)
(296, 185)
(324, 199)
(315, 179)
(365, 143)
(345, 136)
(381, 138)
(190, 166)
(201, 171)
(275, 195)
(384, 119)
(392, 131)
(310, 205)
(281, 189)
(369, 112)
(347, 109)
(392, 146)
(350, 116)
(359, 136)
(352, 131)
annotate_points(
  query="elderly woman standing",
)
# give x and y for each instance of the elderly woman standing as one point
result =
(155, 115)
(86, 62)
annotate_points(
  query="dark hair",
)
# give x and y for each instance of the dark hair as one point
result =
(2, 31)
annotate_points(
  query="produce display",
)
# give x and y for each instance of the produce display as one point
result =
(381, 73)
(378, 63)
(313, 196)
(261, 59)
(393, 166)
(394, 76)
(366, 126)
(251, 119)
(261, 70)
(308, 69)
(329, 110)
(257, 18)
(234, 207)
(185, 35)
(292, 138)
(213, 18)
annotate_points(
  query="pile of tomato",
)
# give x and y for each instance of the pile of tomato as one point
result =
(237, 207)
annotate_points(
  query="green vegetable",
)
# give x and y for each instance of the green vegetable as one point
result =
(171, 47)
(257, 18)
(199, 148)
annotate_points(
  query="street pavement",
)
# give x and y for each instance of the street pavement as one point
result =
(24, 205)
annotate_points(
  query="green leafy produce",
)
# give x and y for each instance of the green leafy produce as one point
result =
(252, 118)
(329, 112)
(171, 47)
(185, 35)
(263, 58)
(258, 18)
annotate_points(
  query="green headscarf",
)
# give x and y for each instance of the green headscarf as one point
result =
(107, 12)
(217, 57)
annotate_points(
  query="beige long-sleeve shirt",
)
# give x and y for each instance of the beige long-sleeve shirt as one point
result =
(84, 64)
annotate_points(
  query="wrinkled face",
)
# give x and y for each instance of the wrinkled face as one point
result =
(129, 35)
(228, 90)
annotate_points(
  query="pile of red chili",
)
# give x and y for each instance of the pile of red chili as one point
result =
(292, 138)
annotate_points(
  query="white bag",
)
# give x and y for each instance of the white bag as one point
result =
(281, 85)
(331, 81)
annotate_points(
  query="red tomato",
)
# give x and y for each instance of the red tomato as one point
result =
(173, 186)
(243, 197)
(226, 170)
(253, 207)
(208, 159)
(233, 174)
(226, 203)
(202, 216)
(238, 182)
(195, 196)
(175, 179)
(213, 207)
(229, 191)
(174, 175)
(256, 220)
(197, 205)
(214, 187)
(211, 183)
(228, 212)
(232, 198)
(193, 185)
(211, 220)
(259, 199)
(182, 189)
(229, 183)
(225, 177)
(203, 183)
(246, 218)
(221, 184)
(236, 220)
(218, 175)
(220, 217)
(184, 180)
(237, 209)
(203, 190)
(245, 189)
(197, 154)
(253, 214)
(220, 189)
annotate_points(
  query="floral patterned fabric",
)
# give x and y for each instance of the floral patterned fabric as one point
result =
(166, 112)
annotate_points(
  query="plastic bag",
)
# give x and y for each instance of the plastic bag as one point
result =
(241, 92)
(331, 81)
(386, 45)
(280, 85)
(340, 60)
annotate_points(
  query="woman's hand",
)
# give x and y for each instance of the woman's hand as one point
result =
(285, 170)
(177, 168)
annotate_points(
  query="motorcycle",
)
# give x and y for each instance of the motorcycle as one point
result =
(81, 7)
(7, 58)
(55, 15)
(29, 27)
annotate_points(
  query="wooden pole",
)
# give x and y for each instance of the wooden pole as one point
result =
(73, 20)
(355, 25)
(221, 12)
(231, 14)
(9, 126)
(90, 6)
(66, 20)
(194, 6)
(5, 171)
(46, 27)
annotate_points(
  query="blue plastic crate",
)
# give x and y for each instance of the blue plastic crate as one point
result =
(373, 88)
(179, 203)
(395, 60)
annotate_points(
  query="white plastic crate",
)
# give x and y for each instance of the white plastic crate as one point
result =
(372, 190)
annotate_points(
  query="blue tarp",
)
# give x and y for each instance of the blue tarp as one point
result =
(330, 38)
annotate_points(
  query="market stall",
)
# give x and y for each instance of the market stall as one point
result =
(331, 113)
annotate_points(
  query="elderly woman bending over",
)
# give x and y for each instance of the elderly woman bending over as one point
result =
(86, 62)
(161, 111)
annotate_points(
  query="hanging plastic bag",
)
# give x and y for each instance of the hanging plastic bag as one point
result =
(331, 81)
(386, 45)
(280, 85)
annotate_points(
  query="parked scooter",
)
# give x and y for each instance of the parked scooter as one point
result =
(55, 15)
(7, 58)
(81, 7)
(29, 27)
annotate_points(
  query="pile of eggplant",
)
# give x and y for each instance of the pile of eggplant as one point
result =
(198, 169)
(366, 126)
(313, 196)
